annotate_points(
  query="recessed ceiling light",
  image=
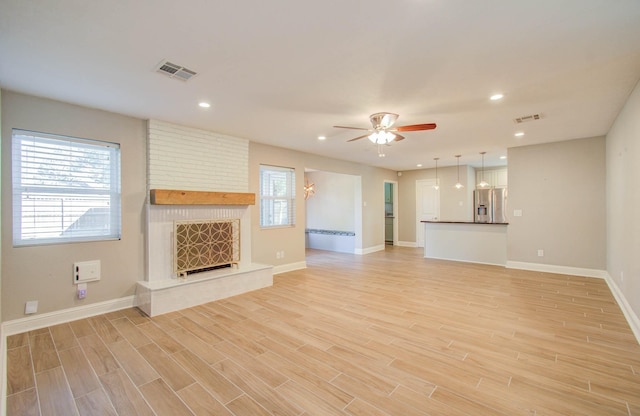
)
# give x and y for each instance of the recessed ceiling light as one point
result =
(419, 165)
(322, 138)
(204, 104)
(503, 157)
(496, 97)
(519, 134)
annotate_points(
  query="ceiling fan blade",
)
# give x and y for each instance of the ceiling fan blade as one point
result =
(352, 128)
(417, 127)
(358, 138)
(398, 137)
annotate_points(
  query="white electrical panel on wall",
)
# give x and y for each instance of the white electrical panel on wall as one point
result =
(86, 271)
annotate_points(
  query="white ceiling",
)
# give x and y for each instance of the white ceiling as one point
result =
(284, 72)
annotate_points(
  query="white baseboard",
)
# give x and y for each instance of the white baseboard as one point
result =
(369, 250)
(552, 268)
(283, 268)
(629, 314)
(407, 244)
(3, 372)
(632, 318)
(18, 326)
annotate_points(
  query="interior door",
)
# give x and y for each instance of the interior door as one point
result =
(427, 206)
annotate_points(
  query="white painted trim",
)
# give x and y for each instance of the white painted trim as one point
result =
(3, 370)
(632, 318)
(369, 250)
(552, 268)
(283, 268)
(407, 244)
(464, 261)
(18, 326)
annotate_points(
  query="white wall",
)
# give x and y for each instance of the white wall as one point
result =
(623, 201)
(333, 205)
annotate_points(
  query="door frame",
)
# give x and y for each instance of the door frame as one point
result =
(419, 225)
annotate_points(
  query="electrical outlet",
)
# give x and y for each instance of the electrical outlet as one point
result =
(82, 290)
(621, 276)
(31, 307)
(517, 213)
(282, 254)
(540, 253)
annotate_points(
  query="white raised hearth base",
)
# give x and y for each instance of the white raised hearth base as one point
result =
(159, 297)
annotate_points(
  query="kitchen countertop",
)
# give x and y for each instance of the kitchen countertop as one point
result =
(465, 222)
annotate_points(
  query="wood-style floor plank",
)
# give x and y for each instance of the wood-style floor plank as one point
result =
(43, 352)
(163, 400)
(201, 402)
(24, 403)
(19, 370)
(388, 333)
(80, 375)
(125, 397)
(95, 403)
(54, 393)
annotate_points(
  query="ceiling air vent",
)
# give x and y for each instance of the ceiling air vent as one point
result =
(175, 71)
(531, 117)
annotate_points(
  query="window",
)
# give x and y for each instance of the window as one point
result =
(64, 189)
(277, 196)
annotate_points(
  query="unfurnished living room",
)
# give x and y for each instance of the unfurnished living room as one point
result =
(418, 207)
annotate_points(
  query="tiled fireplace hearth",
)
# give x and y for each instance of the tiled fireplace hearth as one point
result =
(165, 291)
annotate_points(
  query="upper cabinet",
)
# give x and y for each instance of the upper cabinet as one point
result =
(494, 177)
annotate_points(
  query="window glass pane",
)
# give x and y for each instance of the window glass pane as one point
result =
(277, 196)
(64, 189)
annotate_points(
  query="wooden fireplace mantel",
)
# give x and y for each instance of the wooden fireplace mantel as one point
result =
(176, 197)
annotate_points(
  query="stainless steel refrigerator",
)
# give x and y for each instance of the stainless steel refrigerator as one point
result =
(490, 205)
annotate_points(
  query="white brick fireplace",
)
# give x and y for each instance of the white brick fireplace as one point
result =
(181, 158)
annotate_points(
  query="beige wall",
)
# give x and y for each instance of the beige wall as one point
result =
(560, 188)
(44, 273)
(265, 243)
(623, 201)
(455, 204)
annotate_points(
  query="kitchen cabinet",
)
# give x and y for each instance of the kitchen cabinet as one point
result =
(494, 177)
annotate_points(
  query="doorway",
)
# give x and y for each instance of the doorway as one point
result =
(390, 213)
(427, 206)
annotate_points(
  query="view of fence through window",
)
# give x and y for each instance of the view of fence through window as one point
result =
(64, 189)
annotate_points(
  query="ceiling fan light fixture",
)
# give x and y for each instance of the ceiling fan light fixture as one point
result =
(381, 137)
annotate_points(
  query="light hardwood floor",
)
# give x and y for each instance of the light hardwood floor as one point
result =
(389, 333)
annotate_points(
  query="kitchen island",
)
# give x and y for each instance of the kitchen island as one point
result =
(473, 242)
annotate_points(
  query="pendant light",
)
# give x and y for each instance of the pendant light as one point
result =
(482, 183)
(458, 185)
(437, 185)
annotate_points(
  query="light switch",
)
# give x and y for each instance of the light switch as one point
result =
(517, 213)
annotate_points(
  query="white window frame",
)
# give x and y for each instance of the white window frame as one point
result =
(277, 206)
(65, 189)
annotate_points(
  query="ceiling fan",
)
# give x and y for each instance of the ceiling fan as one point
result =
(383, 131)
